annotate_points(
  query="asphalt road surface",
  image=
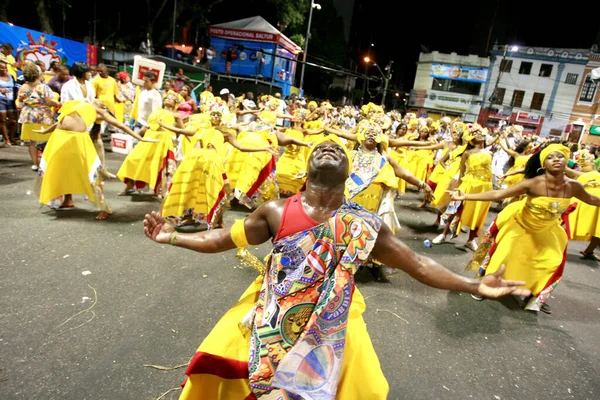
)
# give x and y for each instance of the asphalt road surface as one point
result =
(85, 304)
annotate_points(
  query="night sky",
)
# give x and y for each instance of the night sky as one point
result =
(398, 29)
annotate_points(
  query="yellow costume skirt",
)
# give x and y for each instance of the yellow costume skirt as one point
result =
(585, 220)
(399, 155)
(531, 244)
(151, 164)
(70, 165)
(419, 162)
(197, 189)
(219, 370)
(474, 213)
(289, 166)
(370, 197)
(28, 134)
(247, 172)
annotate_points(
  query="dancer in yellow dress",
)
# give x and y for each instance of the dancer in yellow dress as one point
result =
(475, 177)
(516, 173)
(198, 193)
(298, 331)
(529, 236)
(70, 164)
(585, 221)
(252, 175)
(153, 165)
(291, 166)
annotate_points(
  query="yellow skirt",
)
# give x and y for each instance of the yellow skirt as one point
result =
(70, 165)
(401, 158)
(474, 213)
(585, 220)
(530, 257)
(28, 134)
(197, 188)
(370, 197)
(243, 169)
(361, 377)
(288, 166)
(145, 162)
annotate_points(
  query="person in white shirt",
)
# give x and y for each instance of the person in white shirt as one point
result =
(281, 109)
(149, 100)
(248, 104)
(81, 87)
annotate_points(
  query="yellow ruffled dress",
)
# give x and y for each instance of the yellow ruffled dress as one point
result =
(252, 175)
(361, 376)
(477, 179)
(291, 166)
(520, 163)
(198, 187)
(70, 164)
(442, 198)
(585, 220)
(527, 237)
(152, 164)
(438, 170)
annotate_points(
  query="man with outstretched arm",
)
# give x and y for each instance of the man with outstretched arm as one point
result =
(304, 315)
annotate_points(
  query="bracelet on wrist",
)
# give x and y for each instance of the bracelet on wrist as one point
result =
(172, 239)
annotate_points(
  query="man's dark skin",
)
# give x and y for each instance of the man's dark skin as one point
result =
(328, 170)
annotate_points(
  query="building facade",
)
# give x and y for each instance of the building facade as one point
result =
(533, 86)
(584, 122)
(449, 85)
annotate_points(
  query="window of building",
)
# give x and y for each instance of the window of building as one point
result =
(517, 98)
(537, 101)
(505, 65)
(588, 90)
(571, 79)
(498, 98)
(545, 70)
(525, 68)
(449, 85)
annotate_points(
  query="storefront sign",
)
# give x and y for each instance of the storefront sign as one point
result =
(458, 73)
(449, 102)
(595, 130)
(528, 118)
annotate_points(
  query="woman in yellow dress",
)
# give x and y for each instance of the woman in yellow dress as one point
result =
(252, 175)
(585, 220)
(516, 173)
(475, 176)
(446, 169)
(291, 166)
(153, 165)
(419, 162)
(198, 192)
(529, 237)
(70, 164)
(399, 154)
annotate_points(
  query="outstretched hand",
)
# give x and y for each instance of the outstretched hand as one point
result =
(157, 228)
(428, 194)
(493, 286)
(457, 195)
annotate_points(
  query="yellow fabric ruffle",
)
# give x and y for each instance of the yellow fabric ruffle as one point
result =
(361, 377)
(28, 134)
(585, 220)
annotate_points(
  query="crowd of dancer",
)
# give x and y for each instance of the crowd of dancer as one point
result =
(322, 183)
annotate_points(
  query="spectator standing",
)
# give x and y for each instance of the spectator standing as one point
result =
(61, 77)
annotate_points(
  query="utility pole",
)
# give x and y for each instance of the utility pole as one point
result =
(387, 78)
(312, 5)
(492, 98)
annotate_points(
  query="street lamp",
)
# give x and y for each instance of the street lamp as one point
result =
(318, 7)
(386, 78)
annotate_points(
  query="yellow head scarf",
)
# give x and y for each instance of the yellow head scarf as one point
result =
(554, 148)
(312, 103)
(366, 126)
(335, 139)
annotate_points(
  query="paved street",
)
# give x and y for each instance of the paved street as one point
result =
(84, 304)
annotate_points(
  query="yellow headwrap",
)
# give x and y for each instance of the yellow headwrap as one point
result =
(335, 139)
(367, 126)
(554, 147)
(312, 103)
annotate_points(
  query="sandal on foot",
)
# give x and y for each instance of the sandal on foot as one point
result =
(590, 256)
(127, 192)
(546, 308)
